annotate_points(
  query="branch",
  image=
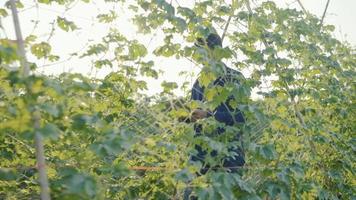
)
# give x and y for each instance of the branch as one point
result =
(226, 26)
(36, 116)
(228, 20)
(303, 8)
(28, 147)
(19, 41)
(326, 8)
(41, 165)
(248, 6)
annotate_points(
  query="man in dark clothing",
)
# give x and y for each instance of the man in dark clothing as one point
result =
(223, 113)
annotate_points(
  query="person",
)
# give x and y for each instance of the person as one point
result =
(223, 113)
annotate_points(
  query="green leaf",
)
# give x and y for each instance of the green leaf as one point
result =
(7, 174)
(107, 18)
(77, 184)
(169, 86)
(268, 152)
(65, 24)
(167, 50)
(243, 185)
(121, 170)
(179, 23)
(50, 131)
(137, 50)
(283, 62)
(50, 109)
(186, 12)
(184, 175)
(95, 49)
(115, 141)
(8, 52)
(41, 50)
(220, 53)
(206, 78)
(29, 39)
(80, 121)
(3, 12)
(329, 28)
(44, 1)
(224, 10)
(146, 70)
(284, 177)
(101, 63)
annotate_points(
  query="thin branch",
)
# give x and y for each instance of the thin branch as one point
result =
(302, 6)
(19, 41)
(41, 165)
(28, 147)
(226, 26)
(248, 6)
(163, 168)
(177, 3)
(36, 117)
(326, 8)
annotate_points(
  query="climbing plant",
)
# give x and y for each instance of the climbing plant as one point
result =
(105, 139)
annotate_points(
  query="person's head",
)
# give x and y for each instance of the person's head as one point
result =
(211, 41)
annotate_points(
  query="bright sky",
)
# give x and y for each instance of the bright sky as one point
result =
(340, 13)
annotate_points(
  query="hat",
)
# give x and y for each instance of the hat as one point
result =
(211, 41)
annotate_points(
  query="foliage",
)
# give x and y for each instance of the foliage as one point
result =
(298, 138)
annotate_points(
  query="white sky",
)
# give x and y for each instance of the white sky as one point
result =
(341, 13)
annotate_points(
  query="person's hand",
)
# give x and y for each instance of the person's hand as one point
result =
(198, 114)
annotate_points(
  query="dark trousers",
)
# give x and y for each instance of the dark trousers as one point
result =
(230, 164)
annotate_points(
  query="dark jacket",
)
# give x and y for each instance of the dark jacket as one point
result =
(223, 113)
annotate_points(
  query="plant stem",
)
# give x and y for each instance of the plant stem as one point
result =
(19, 41)
(225, 29)
(36, 116)
(301, 5)
(324, 13)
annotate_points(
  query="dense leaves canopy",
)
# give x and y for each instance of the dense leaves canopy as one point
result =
(104, 139)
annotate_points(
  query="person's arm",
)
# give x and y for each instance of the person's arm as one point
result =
(224, 112)
(200, 114)
(198, 95)
(227, 114)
